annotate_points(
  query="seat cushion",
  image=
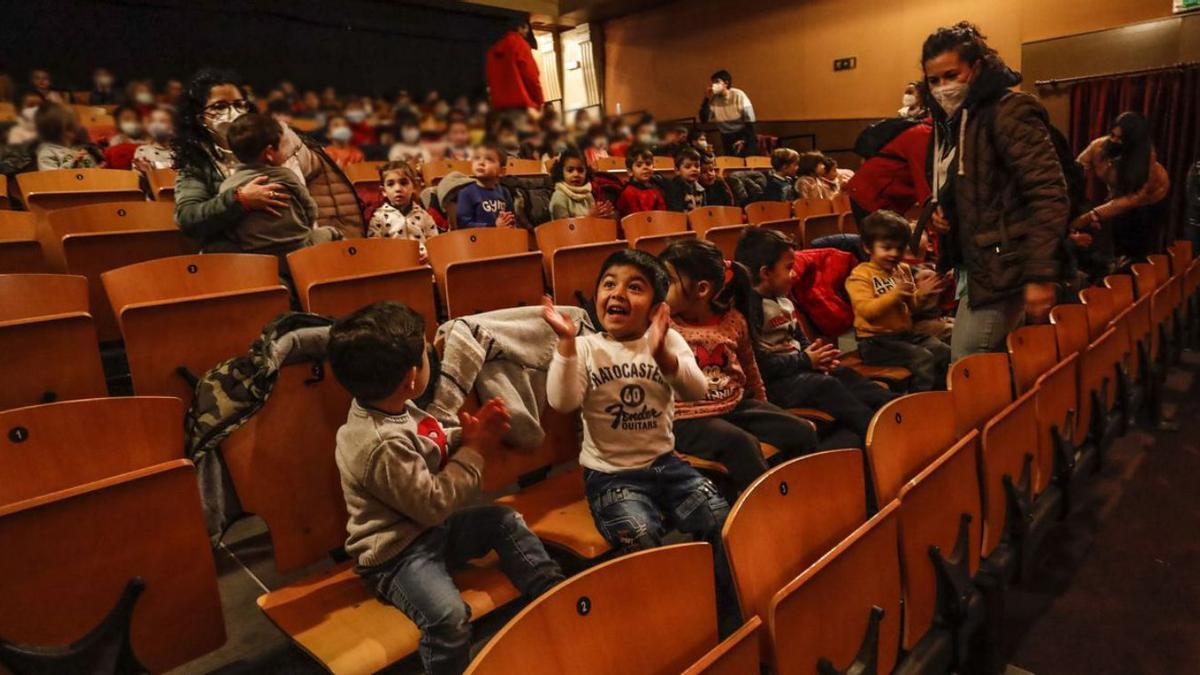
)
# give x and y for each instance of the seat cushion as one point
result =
(556, 509)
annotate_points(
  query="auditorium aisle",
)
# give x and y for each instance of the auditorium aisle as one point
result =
(1123, 587)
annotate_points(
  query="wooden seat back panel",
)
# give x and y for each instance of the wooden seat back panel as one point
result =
(804, 208)
(790, 517)
(364, 173)
(55, 355)
(825, 611)
(1122, 287)
(412, 287)
(817, 226)
(726, 238)
(655, 244)
(146, 523)
(757, 212)
(905, 436)
(1005, 442)
(61, 188)
(650, 223)
(930, 509)
(473, 244)
(475, 286)
(350, 258)
(566, 232)
(1032, 350)
(189, 276)
(703, 218)
(736, 655)
(68, 444)
(25, 296)
(1057, 394)
(658, 605)
(981, 386)
(1070, 328)
(1100, 307)
(789, 226)
(20, 250)
(575, 269)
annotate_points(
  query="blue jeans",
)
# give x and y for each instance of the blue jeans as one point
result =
(418, 580)
(633, 508)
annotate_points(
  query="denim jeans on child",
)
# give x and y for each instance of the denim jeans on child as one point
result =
(418, 581)
(632, 510)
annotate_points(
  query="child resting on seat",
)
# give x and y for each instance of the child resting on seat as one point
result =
(625, 380)
(486, 203)
(799, 373)
(401, 216)
(729, 423)
(640, 193)
(409, 496)
(884, 294)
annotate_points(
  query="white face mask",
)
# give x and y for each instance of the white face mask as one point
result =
(341, 134)
(908, 101)
(131, 128)
(702, 144)
(161, 131)
(411, 135)
(219, 124)
(951, 96)
(356, 116)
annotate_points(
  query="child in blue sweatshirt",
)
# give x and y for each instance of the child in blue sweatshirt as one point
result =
(486, 203)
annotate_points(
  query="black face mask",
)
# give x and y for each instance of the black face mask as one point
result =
(1113, 148)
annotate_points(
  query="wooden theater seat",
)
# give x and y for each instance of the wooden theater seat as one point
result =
(339, 277)
(1057, 394)
(658, 606)
(20, 250)
(905, 436)
(980, 386)
(524, 167)
(1032, 350)
(91, 240)
(757, 212)
(653, 231)
(825, 612)
(1122, 287)
(726, 238)
(364, 174)
(848, 221)
(737, 654)
(162, 184)
(192, 312)
(58, 446)
(46, 190)
(788, 226)
(572, 251)
(437, 169)
(48, 348)
(758, 162)
(143, 523)
(1009, 447)
(805, 208)
(939, 501)
(726, 163)
(485, 268)
(1145, 279)
(787, 519)
(703, 218)
(816, 226)
(1070, 328)
(1100, 304)
(610, 165)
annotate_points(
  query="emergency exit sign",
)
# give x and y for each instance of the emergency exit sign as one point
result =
(847, 63)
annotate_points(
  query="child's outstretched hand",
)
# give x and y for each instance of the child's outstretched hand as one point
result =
(562, 325)
(656, 339)
(484, 430)
(822, 355)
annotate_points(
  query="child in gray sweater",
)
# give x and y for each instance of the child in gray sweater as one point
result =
(412, 499)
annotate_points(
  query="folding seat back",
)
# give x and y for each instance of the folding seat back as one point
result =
(91, 240)
(610, 165)
(787, 519)
(1101, 307)
(1145, 279)
(726, 238)
(468, 263)
(658, 605)
(817, 226)
(1122, 287)
(663, 164)
(1070, 328)
(582, 241)
(758, 162)
(939, 509)
(726, 162)
(848, 222)
(48, 348)
(1057, 394)
(363, 173)
(702, 219)
(523, 167)
(905, 436)
(653, 231)
(145, 523)
(757, 212)
(841, 203)
(737, 654)
(1181, 256)
(981, 386)
(1009, 449)
(191, 313)
(789, 226)
(1161, 264)
(804, 208)
(57, 446)
(437, 169)
(60, 188)
(20, 250)
(825, 613)
(1098, 374)
(339, 277)
(162, 184)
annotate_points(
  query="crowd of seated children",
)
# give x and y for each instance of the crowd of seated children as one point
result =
(485, 202)
(254, 140)
(730, 422)
(683, 192)
(64, 143)
(781, 181)
(640, 192)
(885, 295)
(401, 215)
(624, 381)
(412, 500)
(573, 196)
(797, 372)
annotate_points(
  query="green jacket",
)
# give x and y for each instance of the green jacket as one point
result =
(202, 211)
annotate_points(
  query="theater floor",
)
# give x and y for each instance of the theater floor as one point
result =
(1118, 589)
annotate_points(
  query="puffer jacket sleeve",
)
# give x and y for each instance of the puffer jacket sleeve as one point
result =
(1023, 143)
(202, 212)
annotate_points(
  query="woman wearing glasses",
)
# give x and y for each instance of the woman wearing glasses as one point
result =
(208, 106)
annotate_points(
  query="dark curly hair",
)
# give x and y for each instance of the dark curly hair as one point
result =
(193, 145)
(964, 38)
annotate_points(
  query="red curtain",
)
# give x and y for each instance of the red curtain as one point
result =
(1169, 99)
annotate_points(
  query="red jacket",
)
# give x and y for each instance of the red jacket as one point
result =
(512, 74)
(636, 198)
(820, 275)
(895, 178)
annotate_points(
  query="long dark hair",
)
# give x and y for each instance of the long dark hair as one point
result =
(701, 260)
(1133, 162)
(193, 144)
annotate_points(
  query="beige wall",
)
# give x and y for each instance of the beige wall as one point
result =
(781, 52)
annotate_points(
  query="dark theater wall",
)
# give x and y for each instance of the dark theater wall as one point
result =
(357, 45)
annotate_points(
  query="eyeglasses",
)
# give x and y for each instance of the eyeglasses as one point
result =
(222, 107)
